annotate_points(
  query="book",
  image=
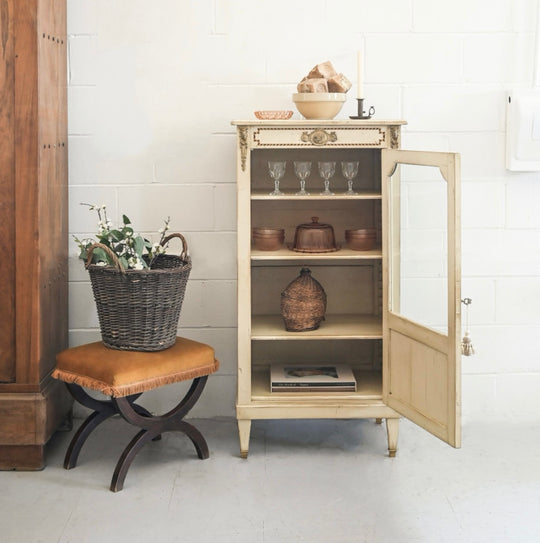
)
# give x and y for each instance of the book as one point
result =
(312, 378)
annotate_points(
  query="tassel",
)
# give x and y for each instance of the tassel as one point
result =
(467, 348)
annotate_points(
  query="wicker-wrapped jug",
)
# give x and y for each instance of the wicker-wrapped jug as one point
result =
(303, 303)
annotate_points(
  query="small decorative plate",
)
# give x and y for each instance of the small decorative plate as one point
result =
(273, 114)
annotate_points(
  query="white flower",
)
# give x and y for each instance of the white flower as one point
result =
(101, 263)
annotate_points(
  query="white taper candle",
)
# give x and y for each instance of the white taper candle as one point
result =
(360, 89)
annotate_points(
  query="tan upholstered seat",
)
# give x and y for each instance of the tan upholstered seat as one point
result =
(121, 373)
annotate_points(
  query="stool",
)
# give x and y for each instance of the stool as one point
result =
(124, 376)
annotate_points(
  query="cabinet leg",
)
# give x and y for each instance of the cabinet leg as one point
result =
(392, 430)
(244, 428)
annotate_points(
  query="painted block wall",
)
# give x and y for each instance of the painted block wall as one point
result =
(153, 87)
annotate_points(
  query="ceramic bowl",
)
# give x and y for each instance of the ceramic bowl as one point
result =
(361, 239)
(319, 105)
(267, 238)
(272, 115)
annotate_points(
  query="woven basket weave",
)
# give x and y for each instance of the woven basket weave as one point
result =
(303, 303)
(138, 310)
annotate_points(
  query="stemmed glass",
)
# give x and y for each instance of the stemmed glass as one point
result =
(326, 171)
(302, 171)
(277, 171)
(349, 171)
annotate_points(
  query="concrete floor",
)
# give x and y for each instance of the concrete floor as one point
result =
(309, 481)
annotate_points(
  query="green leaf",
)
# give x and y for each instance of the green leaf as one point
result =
(126, 219)
(99, 255)
(124, 262)
(139, 245)
(116, 235)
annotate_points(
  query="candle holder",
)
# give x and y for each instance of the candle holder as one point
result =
(361, 112)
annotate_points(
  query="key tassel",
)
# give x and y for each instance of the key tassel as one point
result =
(467, 348)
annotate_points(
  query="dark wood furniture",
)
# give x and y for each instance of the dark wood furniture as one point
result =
(33, 227)
(124, 376)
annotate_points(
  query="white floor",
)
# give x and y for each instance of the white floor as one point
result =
(309, 481)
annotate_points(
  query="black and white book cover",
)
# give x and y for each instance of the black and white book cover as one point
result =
(310, 378)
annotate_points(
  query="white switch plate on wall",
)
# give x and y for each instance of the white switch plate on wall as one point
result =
(523, 131)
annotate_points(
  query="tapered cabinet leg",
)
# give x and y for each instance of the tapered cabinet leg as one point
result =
(392, 430)
(244, 429)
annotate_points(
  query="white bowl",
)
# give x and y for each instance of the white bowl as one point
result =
(319, 105)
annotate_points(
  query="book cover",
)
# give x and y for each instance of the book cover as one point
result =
(319, 377)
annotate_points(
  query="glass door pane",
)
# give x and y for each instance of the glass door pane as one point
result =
(419, 234)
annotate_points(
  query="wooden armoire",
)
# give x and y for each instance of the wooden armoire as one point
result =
(33, 227)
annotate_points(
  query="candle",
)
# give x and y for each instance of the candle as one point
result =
(360, 90)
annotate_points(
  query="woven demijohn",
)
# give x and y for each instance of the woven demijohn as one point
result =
(138, 310)
(303, 303)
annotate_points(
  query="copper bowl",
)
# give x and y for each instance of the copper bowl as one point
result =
(314, 237)
(268, 239)
(361, 239)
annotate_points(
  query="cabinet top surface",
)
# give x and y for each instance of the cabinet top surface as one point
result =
(318, 122)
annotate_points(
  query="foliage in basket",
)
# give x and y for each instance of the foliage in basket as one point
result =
(132, 250)
(138, 289)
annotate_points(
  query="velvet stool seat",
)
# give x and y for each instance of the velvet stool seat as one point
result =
(124, 376)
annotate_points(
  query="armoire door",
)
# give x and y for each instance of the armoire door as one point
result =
(421, 300)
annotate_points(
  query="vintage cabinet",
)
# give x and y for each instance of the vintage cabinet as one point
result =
(33, 227)
(393, 312)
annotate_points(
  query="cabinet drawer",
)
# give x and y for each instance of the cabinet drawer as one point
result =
(329, 136)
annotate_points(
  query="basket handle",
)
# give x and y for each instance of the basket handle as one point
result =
(109, 252)
(166, 240)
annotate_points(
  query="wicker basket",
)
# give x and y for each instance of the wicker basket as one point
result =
(138, 310)
(303, 303)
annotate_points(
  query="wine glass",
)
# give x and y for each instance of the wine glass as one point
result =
(349, 171)
(277, 171)
(326, 171)
(302, 171)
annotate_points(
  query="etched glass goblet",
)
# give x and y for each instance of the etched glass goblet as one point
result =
(349, 171)
(327, 171)
(302, 171)
(277, 171)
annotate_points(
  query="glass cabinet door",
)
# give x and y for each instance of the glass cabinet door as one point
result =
(422, 274)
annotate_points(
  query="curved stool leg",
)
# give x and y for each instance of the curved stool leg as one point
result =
(103, 411)
(197, 439)
(154, 426)
(79, 439)
(127, 457)
(143, 411)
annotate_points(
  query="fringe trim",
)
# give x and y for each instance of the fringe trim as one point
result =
(133, 388)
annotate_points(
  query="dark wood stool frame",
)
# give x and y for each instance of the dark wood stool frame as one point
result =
(152, 426)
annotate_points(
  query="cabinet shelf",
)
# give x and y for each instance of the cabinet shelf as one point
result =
(271, 327)
(368, 387)
(344, 253)
(364, 195)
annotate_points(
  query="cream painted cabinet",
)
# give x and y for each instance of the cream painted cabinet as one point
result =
(393, 313)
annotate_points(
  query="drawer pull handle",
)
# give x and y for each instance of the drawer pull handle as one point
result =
(319, 137)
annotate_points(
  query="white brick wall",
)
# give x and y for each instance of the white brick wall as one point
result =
(154, 85)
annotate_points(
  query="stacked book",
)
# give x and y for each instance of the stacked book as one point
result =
(315, 378)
